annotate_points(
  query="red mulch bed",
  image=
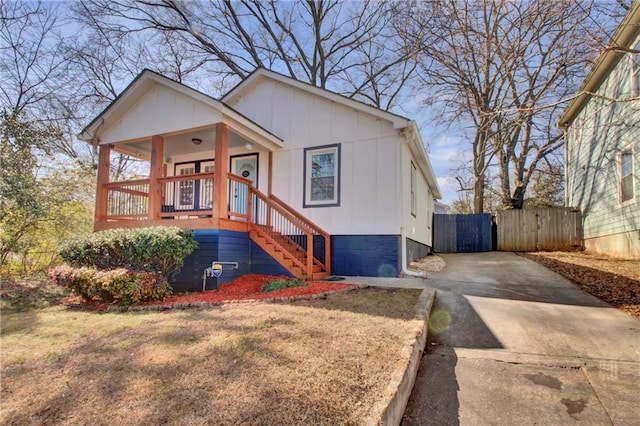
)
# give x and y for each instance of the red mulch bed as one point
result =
(244, 288)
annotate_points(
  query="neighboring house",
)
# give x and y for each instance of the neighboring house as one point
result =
(441, 208)
(279, 176)
(602, 146)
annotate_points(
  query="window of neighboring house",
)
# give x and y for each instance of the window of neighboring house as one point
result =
(322, 176)
(635, 71)
(626, 175)
(414, 201)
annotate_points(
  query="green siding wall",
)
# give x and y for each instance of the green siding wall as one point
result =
(601, 130)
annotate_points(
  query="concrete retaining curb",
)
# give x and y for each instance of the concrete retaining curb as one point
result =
(390, 409)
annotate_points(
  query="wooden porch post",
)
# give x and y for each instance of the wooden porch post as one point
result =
(269, 188)
(270, 175)
(155, 173)
(221, 156)
(102, 194)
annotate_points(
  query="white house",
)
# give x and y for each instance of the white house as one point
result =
(602, 146)
(279, 176)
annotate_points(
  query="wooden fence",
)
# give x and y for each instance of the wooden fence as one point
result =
(541, 229)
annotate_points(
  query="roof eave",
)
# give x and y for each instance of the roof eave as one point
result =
(624, 35)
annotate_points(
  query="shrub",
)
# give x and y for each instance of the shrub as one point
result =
(280, 283)
(120, 284)
(161, 249)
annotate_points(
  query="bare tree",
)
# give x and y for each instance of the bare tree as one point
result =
(348, 47)
(30, 64)
(506, 68)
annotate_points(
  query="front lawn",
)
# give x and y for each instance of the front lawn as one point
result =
(308, 362)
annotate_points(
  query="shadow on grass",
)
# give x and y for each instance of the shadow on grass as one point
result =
(159, 355)
(19, 295)
(24, 297)
(384, 302)
(174, 370)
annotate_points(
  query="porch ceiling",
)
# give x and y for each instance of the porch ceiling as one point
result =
(181, 144)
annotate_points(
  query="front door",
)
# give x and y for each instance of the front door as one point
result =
(185, 191)
(245, 166)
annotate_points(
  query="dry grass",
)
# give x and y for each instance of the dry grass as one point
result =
(616, 281)
(316, 362)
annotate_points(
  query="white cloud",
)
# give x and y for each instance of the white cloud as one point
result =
(448, 189)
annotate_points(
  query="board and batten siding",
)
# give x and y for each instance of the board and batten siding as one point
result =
(418, 227)
(160, 110)
(595, 139)
(371, 177)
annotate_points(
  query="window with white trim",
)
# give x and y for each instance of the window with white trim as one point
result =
(414, 201)
(635, 71)
(322, 176)
(626, 175)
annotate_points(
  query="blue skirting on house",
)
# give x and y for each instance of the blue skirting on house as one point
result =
(416, 250)
(351, 255)
(366, 255)
(223, 246)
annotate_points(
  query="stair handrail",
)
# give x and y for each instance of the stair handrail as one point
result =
(296, 218)
(311, 226)
(291, 210)
(274, 201)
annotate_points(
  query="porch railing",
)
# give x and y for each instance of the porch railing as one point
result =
(181, 195)
(187, 195)
(128, 200)
(271, 218)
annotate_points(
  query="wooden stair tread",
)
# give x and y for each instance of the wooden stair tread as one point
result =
(286, 258)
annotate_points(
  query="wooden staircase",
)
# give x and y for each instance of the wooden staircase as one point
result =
(283, 233)
(287, 253)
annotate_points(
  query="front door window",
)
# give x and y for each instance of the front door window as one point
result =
(186, 188)
(206, 186)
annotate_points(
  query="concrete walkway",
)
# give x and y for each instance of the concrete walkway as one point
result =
(512, 343)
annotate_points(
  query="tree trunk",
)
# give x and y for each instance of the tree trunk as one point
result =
(517, 201)
(478, 194)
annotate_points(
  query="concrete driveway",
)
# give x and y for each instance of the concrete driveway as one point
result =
(512, 343)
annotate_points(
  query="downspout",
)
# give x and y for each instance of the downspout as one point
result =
(403, 250)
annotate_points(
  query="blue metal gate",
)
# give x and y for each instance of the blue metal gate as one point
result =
(462, 233)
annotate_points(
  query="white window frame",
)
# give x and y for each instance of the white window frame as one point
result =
(634, 59)
(308, 170)
(631, 175)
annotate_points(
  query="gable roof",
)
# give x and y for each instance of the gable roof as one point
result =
(147, 79)
(624, 35)
(398, 121)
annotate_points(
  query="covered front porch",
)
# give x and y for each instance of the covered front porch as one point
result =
(199, 192)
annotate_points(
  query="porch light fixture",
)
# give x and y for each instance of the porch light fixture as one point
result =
(196, 141)
(249, 146)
